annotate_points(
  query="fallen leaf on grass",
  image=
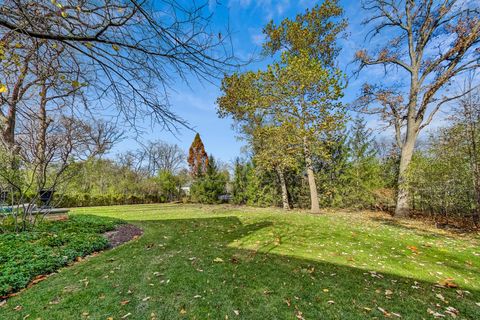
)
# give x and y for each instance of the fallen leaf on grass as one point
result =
(124, 302)
(374, 274)
(330, 302)
(183, 311)
(478, 304)
(236, 312)
(413, 249)
(299, 315)
(218, 260)
(448, 282)
(435, 313)
(441, 297)
(18, 308)
(146, 299)
(325, 290)
(37, 279)
(4, 302)
(452, 312)
(127, 315)
(385, 312)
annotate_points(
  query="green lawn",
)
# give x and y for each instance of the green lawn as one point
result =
(217, 262)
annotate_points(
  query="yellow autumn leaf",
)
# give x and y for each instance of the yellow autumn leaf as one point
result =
(3, 88)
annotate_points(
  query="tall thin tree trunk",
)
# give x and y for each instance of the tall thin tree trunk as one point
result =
(42, 139)
(402, 209)
(314, 206)
(283, 184)
(475, 214)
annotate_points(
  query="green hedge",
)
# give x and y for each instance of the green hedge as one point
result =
(53, 244)
(86, 200)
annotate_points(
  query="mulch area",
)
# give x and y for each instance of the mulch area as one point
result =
(122, 234)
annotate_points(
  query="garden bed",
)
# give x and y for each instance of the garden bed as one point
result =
(122, 234)
(27, 256)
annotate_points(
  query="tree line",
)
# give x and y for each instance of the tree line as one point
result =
(65, 62)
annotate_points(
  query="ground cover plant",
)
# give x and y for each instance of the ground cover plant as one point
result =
(219, 262)
(53, 244)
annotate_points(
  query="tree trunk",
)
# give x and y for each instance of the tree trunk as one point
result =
(475, 214)
(314, 206)
(8, 135)
(42, 139)
(8, 131)
(402, 209)
(283, 184)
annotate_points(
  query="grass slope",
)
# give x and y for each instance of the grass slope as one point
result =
(216, 262)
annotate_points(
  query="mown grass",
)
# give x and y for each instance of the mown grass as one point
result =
(219, 262)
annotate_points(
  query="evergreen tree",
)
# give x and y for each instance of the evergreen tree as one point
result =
(197, 157)
(208, 187)
(333, 168)
(364, 171)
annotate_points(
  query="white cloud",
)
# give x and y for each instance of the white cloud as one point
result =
(271, 8)
(258, 38)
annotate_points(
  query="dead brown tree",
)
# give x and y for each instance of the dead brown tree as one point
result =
(431, 43)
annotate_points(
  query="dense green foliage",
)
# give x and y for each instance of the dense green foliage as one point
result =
(208, 187)
(99, 182)
(349, 174)
(441, 178)
(216, 261)
(51, 245)
(253, 186)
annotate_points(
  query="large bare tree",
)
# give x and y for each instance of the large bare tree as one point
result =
(431, 43)
(157, 156)
(131, 50)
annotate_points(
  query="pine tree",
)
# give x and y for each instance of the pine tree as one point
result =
(364, 171)
(208, 187)
(197, 157)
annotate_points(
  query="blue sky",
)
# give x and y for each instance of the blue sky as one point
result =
(196, 102)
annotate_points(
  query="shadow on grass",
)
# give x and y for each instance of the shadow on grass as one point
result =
(187, 269)
(398, 223)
